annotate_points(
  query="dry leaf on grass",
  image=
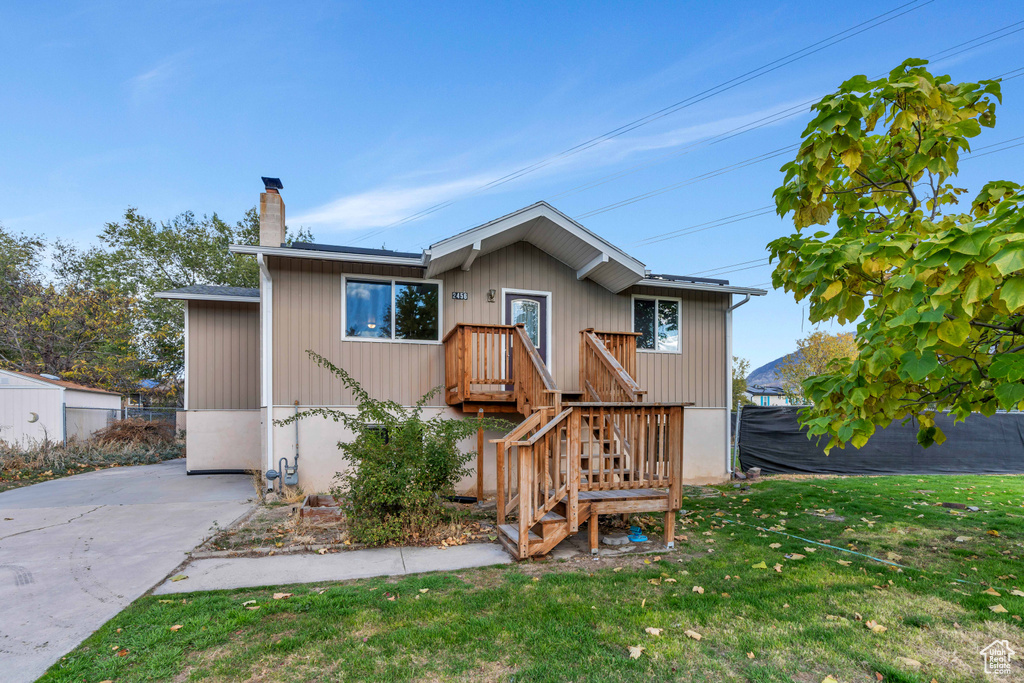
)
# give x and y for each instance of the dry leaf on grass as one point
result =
(875, 626)
(654, 582)
(424, 590)
(253, 607)
(698, 589)
(617, 569)
(654, 631)
(247, 602)
(829, 679)
(750, 655)
(759, 565)
(992, 591)
(282, 596)
(774, 545)
(176, 627)
(795, 556)
(1018, 593)
(635, 651)
(777, 567)
(992, 532)
(998, 609)
(693, 634)
(845, 563)
(907, 661)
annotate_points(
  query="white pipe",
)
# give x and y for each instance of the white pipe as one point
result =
(728, 386)
(266, 352)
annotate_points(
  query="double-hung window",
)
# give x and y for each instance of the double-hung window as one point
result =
(657, 321)
(396, 310)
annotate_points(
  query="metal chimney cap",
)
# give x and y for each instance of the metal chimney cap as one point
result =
(272, 183)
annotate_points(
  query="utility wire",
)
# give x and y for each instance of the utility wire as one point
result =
(734, 82)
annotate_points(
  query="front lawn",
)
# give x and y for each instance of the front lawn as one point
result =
(799, 611)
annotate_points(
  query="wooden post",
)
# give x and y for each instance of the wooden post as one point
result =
(501, 453)
(480, 456)
(670, 529)
(574, 446)
(592, 528)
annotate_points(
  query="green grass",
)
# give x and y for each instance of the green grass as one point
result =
(575, 620)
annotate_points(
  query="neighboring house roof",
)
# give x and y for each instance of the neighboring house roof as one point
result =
(212, 293)
(59, 382)
(539, 224)
(765, 390)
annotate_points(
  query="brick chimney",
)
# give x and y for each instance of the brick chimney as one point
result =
(271, 214)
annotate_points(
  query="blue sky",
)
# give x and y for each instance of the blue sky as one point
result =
(370, 112)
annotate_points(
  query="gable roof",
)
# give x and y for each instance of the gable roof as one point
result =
(212, 293)
(59, 382)
(539, 224)
(551, 231)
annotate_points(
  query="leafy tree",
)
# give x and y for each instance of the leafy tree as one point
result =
(740, 370)
(814, 356)
(139, 257)
(939, 294)
(65, 328)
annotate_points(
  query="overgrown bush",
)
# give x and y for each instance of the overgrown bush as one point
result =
(135, 430)
(402, 466)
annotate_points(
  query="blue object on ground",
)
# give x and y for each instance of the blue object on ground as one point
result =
(636, 534)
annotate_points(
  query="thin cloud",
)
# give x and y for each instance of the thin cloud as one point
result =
(156, 80)
(386, 205)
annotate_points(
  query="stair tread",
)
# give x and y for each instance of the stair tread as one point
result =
(512, 532)
(552, 517)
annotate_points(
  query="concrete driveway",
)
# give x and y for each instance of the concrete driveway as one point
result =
(75, 551)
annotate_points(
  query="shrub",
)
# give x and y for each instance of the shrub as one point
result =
(402, 466)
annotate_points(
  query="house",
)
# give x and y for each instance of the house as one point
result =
(767, 395)
(36, 408)
(530, 315)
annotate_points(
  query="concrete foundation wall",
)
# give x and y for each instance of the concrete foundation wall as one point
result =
(320, 459)
(704, 448)
(704, 451)
(222, 440)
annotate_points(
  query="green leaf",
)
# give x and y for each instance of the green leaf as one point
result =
(918, 368)
(1008, 366)
(832, 290)
(954, 332)
(1012, 293)
(1008, 261)
(1009, 395)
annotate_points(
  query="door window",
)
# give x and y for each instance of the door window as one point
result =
(527, 312)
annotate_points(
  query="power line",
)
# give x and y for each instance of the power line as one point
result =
(736, 81)
(700, 227)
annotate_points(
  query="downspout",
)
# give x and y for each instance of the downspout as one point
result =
(266, 354)
(728, 386)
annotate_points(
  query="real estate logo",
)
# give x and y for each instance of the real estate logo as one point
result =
(997, 655)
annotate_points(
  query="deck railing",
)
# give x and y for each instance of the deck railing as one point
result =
(496, 364)
(602, 376)
(622, 347)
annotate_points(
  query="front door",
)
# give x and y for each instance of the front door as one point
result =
(532, 311)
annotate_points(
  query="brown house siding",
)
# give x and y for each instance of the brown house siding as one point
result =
(307, 315)
(223, 355)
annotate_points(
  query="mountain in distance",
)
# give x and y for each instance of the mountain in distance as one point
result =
(767, 374)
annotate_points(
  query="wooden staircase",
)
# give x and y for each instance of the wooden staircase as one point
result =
(577, 455)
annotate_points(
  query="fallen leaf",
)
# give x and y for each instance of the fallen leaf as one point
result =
(750, 655)
(167, 602)
(693, 634)
(777, 567)
(998, 609)
(1018, 593)
(654, 631)
(875, 626)
(810, 550)
(253, 607)
(247, 602)
(643, 602)
(670, 580)
(759, 565)
(322, 551)
(774, 545)
(175, 627)
(962, 539)
(907, 661)
(122, 653)
(992, 532)
(698, 589)
(424, 590)
(635, 651)
(282, 596)
(795, 556)
(829, 679)
(654, 582)
(845, 563)
(179, 577)
(991, 591)
(617, 569)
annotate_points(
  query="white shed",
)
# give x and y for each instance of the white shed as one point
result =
(40, 407)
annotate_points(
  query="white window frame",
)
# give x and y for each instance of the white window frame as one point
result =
(679, 321)
(393, 281)
(538, 293)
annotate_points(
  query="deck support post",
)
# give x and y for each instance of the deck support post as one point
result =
(480, 456)
(670, 529)
(592, 528)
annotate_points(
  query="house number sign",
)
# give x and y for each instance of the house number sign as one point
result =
(460, 296)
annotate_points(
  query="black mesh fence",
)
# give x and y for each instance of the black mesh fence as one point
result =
(771, 438)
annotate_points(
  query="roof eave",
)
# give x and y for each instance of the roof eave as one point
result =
(185, 296)
(701, 287)
(328, 255)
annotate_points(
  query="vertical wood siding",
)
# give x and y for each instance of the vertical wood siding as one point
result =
(307, 315)
(223, 355)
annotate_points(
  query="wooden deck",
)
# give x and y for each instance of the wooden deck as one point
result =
(578, 454)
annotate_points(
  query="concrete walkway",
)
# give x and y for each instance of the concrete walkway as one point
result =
(76, 551)
(248, 572)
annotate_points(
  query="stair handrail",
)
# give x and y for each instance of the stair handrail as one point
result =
(536, 459)
(533, 389)
(610, 366)
(501, 448)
